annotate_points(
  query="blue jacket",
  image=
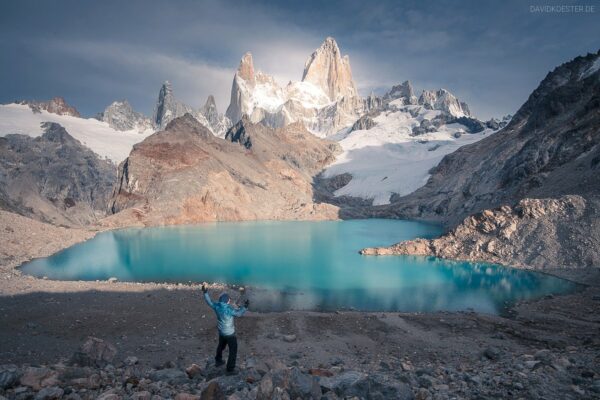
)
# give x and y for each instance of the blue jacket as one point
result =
(225, 314)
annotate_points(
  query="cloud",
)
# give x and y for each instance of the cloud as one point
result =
(192, 80)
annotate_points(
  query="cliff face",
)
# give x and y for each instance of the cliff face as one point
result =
(185, 174)
(549, 149)
(535, 233)
(54, 178)
(328, 70)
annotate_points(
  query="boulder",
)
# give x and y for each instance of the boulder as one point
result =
(49, 393)
(109, 395)
(94, 353)
(131, 360)
(265, 388)
(38, 378)
(193, 371)
(492, 353)
(289, 338)
(9, 376)
(144, 395)
(320, 372)
(186, 396)
(361, 385)
(212, 392)
(172, 376)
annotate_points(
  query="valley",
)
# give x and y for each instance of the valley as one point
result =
(520, 191)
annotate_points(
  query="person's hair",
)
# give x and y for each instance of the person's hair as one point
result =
(224, 298)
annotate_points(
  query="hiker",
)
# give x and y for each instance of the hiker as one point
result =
(225, 313)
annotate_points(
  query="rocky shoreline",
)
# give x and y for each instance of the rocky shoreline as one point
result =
(545, 348)
(541, 234)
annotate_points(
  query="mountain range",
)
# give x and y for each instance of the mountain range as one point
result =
(312, 149)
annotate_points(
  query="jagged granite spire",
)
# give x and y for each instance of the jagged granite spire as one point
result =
(244, 76)
(327, 69)
(217, 123)
(209, 110)
(167, 108)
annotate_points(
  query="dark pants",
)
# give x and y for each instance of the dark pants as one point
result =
(230, 341)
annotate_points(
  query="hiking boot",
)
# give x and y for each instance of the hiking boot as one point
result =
(233, 371)
(218, 363)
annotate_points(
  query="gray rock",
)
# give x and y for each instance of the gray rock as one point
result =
(173, 376)
(38, 378)
(363, 123)
(49, 393)
(349, 383)
(131, 360)
(492, 353)
(121, 116)
(9, 376)
(237, 134)
(289, 338)
(303, 385)
(110, 395)
(94, 352)
(402, 91)
(143, 395)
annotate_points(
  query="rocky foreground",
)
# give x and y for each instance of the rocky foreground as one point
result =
(163, 341)
(96, 371)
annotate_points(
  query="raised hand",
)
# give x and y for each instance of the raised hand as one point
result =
(204, 288)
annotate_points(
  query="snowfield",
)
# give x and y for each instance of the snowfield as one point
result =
(98, 136)
(386, 159)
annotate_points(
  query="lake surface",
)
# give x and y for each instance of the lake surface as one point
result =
(301, 265)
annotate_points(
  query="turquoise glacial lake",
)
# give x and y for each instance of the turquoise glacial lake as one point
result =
(301, 266)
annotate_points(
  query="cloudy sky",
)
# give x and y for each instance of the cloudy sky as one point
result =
(491, 54)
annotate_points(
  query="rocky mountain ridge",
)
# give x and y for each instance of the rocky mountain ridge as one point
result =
(54, 178)
(185, 174)
(550, 148)
(532, 190)
(56, 105)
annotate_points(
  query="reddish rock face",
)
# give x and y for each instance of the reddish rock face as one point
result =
(57, 105)
(184, 174)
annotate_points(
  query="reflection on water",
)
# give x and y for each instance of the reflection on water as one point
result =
(307, 265)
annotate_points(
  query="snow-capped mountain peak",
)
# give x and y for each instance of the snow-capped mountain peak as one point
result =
(402, 91)
(445, 101)
(120, 115)
(325, 100)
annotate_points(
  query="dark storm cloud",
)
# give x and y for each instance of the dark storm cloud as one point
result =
(491, 54)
